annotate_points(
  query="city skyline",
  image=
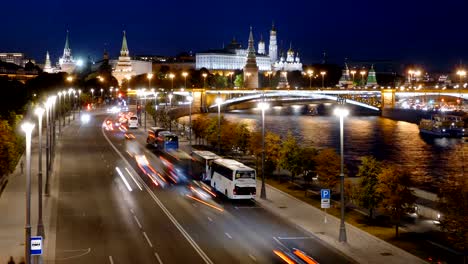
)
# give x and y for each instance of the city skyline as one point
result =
(394, 33)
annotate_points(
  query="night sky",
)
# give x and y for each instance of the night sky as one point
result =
(431, 33)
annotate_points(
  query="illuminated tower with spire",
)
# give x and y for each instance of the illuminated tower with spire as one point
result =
(66, 62)
(261, 46)
(48, 65)
(251, 68)
(123, 69)
(371, 78)
(345, 80)
(273, 47)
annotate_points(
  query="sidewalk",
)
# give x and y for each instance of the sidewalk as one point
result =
(361, 247)
(13, 208)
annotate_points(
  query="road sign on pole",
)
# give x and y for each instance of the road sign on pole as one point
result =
(325, 198)
(36, 245)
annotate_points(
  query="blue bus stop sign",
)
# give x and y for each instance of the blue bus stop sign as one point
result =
(36, 245)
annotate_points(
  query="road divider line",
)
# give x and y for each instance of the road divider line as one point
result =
(294, 238)
(279, 242)
(209, 219)
(123, 179)
(111, 260)
(158, 258)
(228, 235)
(163, 208)
(138, 222)
(147, 239)
(253, 257)
(131, 210)
(137, 184)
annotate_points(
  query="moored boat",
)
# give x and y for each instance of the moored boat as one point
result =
(442, 126)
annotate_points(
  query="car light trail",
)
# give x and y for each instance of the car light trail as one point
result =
(284, 257)
(123, 179)
(200, 193)
(137, 184)
(304, 257)
(205, 203)
(208, 190)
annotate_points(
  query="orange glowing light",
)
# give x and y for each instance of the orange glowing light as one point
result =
(283, 257)
(304, 257)
(205, 203)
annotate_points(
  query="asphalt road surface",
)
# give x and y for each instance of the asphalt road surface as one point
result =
(109, 211)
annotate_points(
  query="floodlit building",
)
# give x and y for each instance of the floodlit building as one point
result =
(234, 57)
(66, 62)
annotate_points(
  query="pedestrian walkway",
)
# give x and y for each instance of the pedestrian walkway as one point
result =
(13, 209)
(361, 246)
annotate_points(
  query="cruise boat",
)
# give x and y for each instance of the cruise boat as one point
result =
(442, 126)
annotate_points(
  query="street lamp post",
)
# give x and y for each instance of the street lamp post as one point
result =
(342, 113)
(353, 72)
(28, 128)
(40, 226)
(92, 95)
(170, 100)
(190, 99)
(204, 79)
(79, 101)
(185, 79)
(310, 73)
(363, 73)
(60, 111)
(48, 106)
(323, 78)
(171, 75)
(263, 106)
(219, 101)
(461, 74)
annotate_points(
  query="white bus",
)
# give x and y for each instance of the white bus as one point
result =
(233, 179)
(201, 167)
(133, 122)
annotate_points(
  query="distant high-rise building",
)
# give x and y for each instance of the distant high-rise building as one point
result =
(251, 68)
(66, 62)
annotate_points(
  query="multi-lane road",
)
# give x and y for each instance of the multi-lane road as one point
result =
(110, 212)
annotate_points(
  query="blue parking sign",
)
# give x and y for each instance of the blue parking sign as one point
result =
(36, 245)
(325, 193)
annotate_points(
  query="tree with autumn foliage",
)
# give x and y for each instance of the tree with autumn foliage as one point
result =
(367, 195)
(308, 164)
(10, 148)
(395, 189)
(453, 204)
(290, 157)
(328, 168)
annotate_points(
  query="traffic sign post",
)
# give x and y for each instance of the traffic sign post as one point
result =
(325, 201)
(36, 245)
(325, 198)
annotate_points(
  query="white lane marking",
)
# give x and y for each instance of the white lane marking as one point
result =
(163, 208)
(292, 238)
(194, 205)
(123, 179)
(111, 260)
(158, 258)
(209, 219)
(246, 207)
(131, 210)
(279, 242)
(228, 235)
(147, 239)
(253, 257)
(85, 252)
(137, 184)
(138, 222)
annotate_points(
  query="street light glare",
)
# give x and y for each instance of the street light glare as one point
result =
(39, 111)
(219, 100)
(341, 112)
(263, 106)
(27, 127)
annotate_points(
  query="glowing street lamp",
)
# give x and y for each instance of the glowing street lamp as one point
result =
(204, 79)
(353, 72)
(323, 73)
(170, 99)
(461, 74)
(171, 75)
(185, 79)
(219, 101)
(92, 95)
(28, 128)
(342, 113)
(40, 226)
(149, 76)
(190, 100)
(363, 73)
(310, 73)
(263, 106)
(269, 73)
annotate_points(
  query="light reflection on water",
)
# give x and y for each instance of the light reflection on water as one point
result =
(393, 141)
